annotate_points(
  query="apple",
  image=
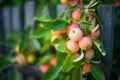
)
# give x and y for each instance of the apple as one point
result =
(30, 58)
(85, 43)
(76, 14)
(89, 54)
(21, 59)
(64, 2)
(53, 61)
(71, 26)
(72, 46)
(44, 67)
(86, 68)
(75, 34)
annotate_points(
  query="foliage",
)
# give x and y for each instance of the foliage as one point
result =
(68, 65)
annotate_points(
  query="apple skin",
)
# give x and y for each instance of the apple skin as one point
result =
(73, 2)
(71, 26)
(21, 59)
(86, 68)
(85, 43)
(76, 14)
(44, 67)
(75, 34)
(72, 46)
(30, 58)
(89, 54)
(64, 2)
(53, 62)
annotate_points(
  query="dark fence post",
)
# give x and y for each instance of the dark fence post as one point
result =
(16, 18)
(106, 14)
(29, 12)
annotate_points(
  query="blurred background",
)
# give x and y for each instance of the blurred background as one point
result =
(20, 55)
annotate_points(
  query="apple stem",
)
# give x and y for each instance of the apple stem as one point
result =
(81, 4)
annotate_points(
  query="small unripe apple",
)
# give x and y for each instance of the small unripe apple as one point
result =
(72, 46)
(76, 14)
(85, 43)
(64, 2)
(44, 68)
(95, 34)
(21, 59)
(30, 58)
(89, 54)
(71, 26)
(86, 68)
(57, 35)
(53, 61)
(75, 34)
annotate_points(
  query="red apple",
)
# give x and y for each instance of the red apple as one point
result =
(75, 34)
(85, 43)
(44, 68)
(64, 2)
(53, 61)
(76, 14)
(72, 46)
(71, 26)
(86, 68)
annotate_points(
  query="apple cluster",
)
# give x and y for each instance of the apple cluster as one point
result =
(76, 38)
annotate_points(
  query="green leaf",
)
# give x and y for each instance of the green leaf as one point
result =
(72, 8)
(45, 59)
(76, 74)
(87, 31)
(97, 73)
(83, 15)
(43, 18)
(67, 65)
(35, 44)
(64, 15)
(83, 25)
(100, 46)
(14, 75)
(40, 33)
(52, 73)
(6, 61)
(60, 45)
(58, 26)
(60, 59)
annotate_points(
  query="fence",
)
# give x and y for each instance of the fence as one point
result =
(17, 18)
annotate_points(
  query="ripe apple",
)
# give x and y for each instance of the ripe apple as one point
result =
(64, 2)
(53, 61)
(75, 34)
(30, 58)
(85, 43)
(21, 59)
(71, 26)
(72, 46)
(44, 67)
(76, 14)
(86, 68)
(73, 2)
(89, 54)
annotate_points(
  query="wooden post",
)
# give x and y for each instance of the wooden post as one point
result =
(16, 18)
(29, 12)
(106, 14)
